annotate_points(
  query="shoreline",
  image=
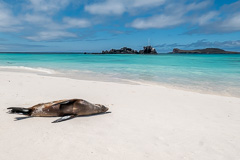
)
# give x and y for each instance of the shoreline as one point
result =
(146, 121)
(91, 76)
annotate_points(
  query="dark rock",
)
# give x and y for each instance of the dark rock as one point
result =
(123, 50)
(126, 50)
(148, 50)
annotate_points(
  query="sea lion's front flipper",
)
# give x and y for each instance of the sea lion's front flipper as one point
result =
(64, 118)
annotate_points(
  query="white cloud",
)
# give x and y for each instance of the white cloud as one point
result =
(48, 6)
(174, 14)
(108, 7)
(37, 19)
(118, 7)
(53, 30)
(40, 18)
(159, 21)
(179, 7)
(7, 20)
(197, 6)
(76, 22)
(232, 23)
(51, 35)
(206, 18)
(146, 3)
(43, 27)
(42, 21)
(227, 20)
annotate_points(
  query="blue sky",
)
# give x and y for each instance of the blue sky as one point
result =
(96, 25)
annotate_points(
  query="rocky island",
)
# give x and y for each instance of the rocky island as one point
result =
(149, 50)
(126, 50)
(204, 51)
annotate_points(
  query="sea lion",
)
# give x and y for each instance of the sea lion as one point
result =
(66, 109)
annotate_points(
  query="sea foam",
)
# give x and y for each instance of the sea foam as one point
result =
(37, 69)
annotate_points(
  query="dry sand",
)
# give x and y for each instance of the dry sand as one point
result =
(147, 122)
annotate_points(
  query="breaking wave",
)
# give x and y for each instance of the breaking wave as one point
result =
(37, 69)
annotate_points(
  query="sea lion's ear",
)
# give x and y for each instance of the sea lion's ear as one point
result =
(64, 118)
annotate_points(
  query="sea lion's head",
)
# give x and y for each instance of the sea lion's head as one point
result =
(102, 108)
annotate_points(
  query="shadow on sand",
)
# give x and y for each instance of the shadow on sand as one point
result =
(22, 118)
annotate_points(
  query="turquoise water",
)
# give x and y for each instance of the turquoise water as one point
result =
(218, 73)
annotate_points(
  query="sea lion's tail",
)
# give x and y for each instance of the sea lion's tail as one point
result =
(19, 110)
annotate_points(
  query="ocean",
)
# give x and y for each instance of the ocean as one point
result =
(206, 73)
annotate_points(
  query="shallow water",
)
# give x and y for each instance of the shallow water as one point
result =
(217, 74)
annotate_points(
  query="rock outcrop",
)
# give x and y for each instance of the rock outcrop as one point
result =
(125, 50)
(148, 50)
(204, 51)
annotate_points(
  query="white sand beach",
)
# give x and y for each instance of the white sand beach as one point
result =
(146, 122)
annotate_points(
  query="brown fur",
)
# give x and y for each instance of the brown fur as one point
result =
(66, 107)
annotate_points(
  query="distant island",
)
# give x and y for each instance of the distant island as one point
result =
(204, 51)
(126, 50)
(152, 51)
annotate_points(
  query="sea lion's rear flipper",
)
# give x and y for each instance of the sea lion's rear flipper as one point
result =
(19, 110)
(64, 118)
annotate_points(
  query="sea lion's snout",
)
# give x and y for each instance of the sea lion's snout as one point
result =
(105, 109)
(102, 108)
